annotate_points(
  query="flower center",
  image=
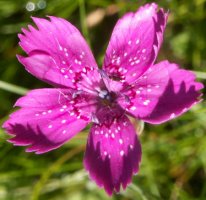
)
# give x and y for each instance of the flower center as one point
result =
(107, 98)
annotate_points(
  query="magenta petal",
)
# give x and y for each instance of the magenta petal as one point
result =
(141, 98)
(57, 52)
(162, 93)
(47, 119)
(181, 93)
(113, 154)
(45, 68)
(134, 43)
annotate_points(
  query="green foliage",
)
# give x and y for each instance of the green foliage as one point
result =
(174, 162)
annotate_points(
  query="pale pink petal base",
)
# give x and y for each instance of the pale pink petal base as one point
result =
(113, 154)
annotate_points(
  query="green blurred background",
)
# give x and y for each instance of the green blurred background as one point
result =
(174, 153)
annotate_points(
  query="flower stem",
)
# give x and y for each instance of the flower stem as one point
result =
(201, 75)
(53, 168)
(138, 191)
(12, 88)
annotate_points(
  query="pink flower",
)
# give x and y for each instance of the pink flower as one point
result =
(129, 84)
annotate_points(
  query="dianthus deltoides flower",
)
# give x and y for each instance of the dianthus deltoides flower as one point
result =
(129, 84)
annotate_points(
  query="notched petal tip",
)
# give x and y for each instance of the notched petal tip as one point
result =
(17, 142)
(135, 42)
(179, 94)
(5, 125)
(114, 150)
(43, 125)
(56, 51)
(53, 17)
(19, 57)
(152, 5)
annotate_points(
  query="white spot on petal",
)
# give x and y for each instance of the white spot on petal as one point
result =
(64, 121)
(121, 153)
(137, 41)
(132, 63)
(133, 108)
(120, 141)
(137, 61)
(50, 126)
(146, 102)
(125, 123)
(71, 113)
(120, 69)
